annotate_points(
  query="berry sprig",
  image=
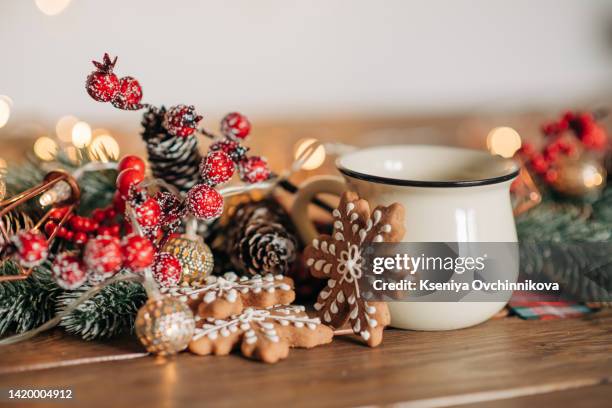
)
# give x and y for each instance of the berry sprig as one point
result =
(568, 137)
(225, 157)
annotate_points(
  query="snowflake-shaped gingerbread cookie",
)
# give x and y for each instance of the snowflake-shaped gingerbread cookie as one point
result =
(338, 258)
(221, 296)
(263, 333)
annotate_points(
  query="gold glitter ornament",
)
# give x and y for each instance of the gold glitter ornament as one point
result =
(583, 178)
(165, 325)
(195, 257)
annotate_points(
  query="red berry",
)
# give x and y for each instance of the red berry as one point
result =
(68, 271)
(138, 252)
(235, 125)
(50, 228)
(217, 167)
(111, 212)
(132, 162)
(594, 137)
(102, 84)
(540, 164)
(129, 94)
(527, 149)
(167, 269)
(181, 120)
(148, 213)
(32, 248)
(551, 176)
(58, 213)
(126, 179)
(232, 147)
(115, 229)
(254, 169)
(98, 215)
(77, 223)
(102, 257)
(204, 202)
(80, 238)
(61, 232)
(69, 236)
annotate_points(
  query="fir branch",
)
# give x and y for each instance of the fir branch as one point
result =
(27, 303)
(107, 314)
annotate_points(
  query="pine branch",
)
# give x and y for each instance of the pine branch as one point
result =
(27, 303)
(109, 313)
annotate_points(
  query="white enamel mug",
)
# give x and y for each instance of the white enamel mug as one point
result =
(449, 195)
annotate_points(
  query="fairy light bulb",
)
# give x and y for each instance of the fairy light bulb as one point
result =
(81, 134)
(52, 7)
(56, 194)
(316, 159)
(503, 141)
(104, 147)
(45, 148)
(5, 109)
(63, 128)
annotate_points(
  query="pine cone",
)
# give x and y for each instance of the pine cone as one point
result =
(260, 239)
(173, 159)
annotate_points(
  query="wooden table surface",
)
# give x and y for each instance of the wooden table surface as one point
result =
(502, 363)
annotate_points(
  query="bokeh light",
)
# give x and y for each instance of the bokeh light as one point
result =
(503, 141)
(81, 134)
(317, 158)
(5, 109)
(3, 166)
(45, 148)
(63, 128)
(52, 7)
(104, 147)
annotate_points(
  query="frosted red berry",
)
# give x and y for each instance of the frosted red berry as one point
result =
(232, 147)
(102, 257)
(204, 202)
(172, 210)
(167, 269)
(235, 125)
(129, 94)
(181, 120)
(217, 167)
(132, 162)
(254, 169)
(138, 252)
(148, 213)
(102, 84)
(126, 179)
(31, 247)
(68, 271)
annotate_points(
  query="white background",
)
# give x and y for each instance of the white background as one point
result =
(273, 58)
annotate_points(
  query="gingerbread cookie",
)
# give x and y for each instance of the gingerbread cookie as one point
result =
(264, 334)
(338, 258)
(221, 296)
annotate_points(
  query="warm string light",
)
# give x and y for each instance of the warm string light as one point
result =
(103, 146)
(5, 109)
(63, 128)
(52, 7)
(503, 141)
(81, 134)
(45, 148)
(316, 159)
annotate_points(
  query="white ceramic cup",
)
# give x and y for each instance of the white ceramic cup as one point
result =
(449, 195)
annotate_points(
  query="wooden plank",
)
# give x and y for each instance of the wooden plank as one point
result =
(497, 356)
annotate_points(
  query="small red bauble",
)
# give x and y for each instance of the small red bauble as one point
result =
(129, 94)
(148, 213)
(181, 120)
(32, 248)
(167, 269)
(132, 162)
(235, 125)
(102, 84)
(204, 202)
(68, 271)
(138, 252)
(217, 167)
(126, 179)
(103, 257)
(254, 169)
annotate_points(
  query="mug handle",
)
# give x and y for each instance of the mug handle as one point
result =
(306, 192)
